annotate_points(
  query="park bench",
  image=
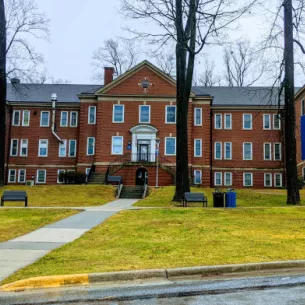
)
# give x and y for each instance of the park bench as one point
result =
(14, 196)
(195, 197)
(114, 179)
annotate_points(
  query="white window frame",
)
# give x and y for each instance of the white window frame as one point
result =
(9, 175)
(19, 171)
(71, 114)
(265, 175)
(165, 148)
(224, 151)
(225, 121)
(21, 146)
(89, 111)
(280, 122)
(166, 122)
(62, 145)
(270, 145)
(45, 176)
(69, 154)
(244, 175)
(41, 112)
(61, 117)
(215, 121)
(280, 147)
(199, 171)
(195, 155)
(112, 147)
(215, 174)
(200, 111)
(13, 117)
(140, 107)
(215, 151)
(251, 145)
(39, 145)
(87, 150)
(225, 181)
(23, 114)
(113, 111)
(58, 173)
(264, 119)
(11, 150)
(281, 179)
(244, 128)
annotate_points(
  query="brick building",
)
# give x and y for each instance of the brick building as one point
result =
(235, 134)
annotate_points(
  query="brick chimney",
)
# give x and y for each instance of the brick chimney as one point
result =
(108, 76)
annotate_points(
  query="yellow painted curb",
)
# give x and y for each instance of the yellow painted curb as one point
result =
(47, 282)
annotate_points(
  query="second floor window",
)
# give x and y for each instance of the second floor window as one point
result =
(228, 121)
(218, 148)
(170, 114)
(218, 121)
(198, 117)
(64, 119)
(72, 148)
(44, 118)
(118, 114)
(277, 151)
(26, 118)
(267, 151)
(267, 121)
(73, 119)
(23, 148)
(62, 151)
(144, 114)
(228, 150)
(197, 148)
(247, 121)
(247, 151)
(16, 118)
(43, 148)
(90, 146)
(276, 121)
(14, 147)
(170, 146)
(117, 145)
(92, 115)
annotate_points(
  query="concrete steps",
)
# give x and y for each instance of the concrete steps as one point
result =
(97, 178)
(132, 192)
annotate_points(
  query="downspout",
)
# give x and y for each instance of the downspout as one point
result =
(54, 100)
(211, 146)
(8, 140)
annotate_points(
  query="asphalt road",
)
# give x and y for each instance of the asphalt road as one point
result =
(286, 289)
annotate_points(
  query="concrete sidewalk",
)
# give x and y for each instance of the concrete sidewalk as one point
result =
(25, 250)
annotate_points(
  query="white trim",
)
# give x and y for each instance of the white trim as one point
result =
(280, 147)
(13, 117)
(113, 112)
(11, 154)
(45, 176)
(200, 110)
(280, 122)
(200, 155)
(165, 149)
(29, 112)
(265, 175)
(244, 114)
(215, 174)
(224, 151)
(281, 180)
(9, 175)
(166, 122)
(91, 107)
(41, 112)
(224, 123)
(39, 144)
(67, 117)
(71, 113)
(87, 150)
(270, 124)
(62, 145)
(270, 145)
(140, 107)
(215, 115)
(244, 174)
(58, 172)
(69, 153)
(21, 146)
(22, 169)
(122, 140)
(251, 145)
(215, 151)
(200, 171)
(224, 179)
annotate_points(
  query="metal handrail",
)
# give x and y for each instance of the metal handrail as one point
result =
(119, 190)
(92, 170)
(145, 188)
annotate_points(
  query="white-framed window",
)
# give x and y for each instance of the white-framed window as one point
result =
(64, 119)
(247, 151)
(92, 115)
(227, 150)
(277, 150)
(267, 180)
(14, 147)
(218, 150)
(228, 181)
(72, 148)
(21, 176)
(217, 178)
(118, 113)
(26, 114)
(12, 176)
(170, 146)
(278, 180)
(16, 118)
(197, 147)
(267, 151)
(117, 145)
(44, 118)
(248, 179)
(144, 113)
(41, 176)
(62, 149)
(197, 176)
(43, 148)
(170, 114)
(90, 146)
(73, 119)
(303, 107)
(218, 121)
(276, 121)
(267, 121)
(24, 144)
(60, 176)
(247, 121)
(227, 121)
(198, 116)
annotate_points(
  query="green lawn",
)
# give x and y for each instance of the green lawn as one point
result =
(65, 195)
(162, 197)
(163, 238)
(17, 222)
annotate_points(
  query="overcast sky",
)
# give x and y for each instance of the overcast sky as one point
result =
(79, 27)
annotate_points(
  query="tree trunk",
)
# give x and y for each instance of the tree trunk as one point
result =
(2, 91)
(293, 195)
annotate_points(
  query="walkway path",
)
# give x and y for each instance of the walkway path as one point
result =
(25, 250)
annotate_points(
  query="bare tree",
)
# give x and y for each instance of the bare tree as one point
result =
(208, 77)
(2, 91)
(167, 63)
(191, 24)
(120, 54)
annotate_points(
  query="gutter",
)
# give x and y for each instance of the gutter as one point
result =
(54, 99)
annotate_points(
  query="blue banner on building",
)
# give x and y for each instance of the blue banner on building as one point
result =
(303, 136)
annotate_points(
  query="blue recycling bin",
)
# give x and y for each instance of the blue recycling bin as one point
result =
(230, 199)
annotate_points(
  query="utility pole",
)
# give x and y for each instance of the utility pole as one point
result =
(2, 91)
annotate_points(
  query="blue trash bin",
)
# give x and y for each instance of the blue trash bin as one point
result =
(230, 199)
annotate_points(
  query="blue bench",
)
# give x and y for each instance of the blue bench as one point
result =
(14, 196)
(195, 197)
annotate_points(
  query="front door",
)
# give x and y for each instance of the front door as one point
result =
(143, 152)
(141, 175)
